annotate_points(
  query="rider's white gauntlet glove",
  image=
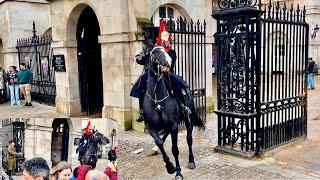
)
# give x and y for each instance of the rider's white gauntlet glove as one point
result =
(138, 55)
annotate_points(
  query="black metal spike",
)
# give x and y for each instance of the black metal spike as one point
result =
(298, 13)
(291, 12)
(304, 14)
(277, 10)
(265, 11)
(260, 4)
(191, 25)
(178, 24)
(204, 25)
(269, 9)
(284, 11)
(198, 26)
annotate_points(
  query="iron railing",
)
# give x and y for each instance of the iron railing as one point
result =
(36, 53)
(189, 42)
(262, 59)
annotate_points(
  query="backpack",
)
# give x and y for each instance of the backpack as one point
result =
(315, 68)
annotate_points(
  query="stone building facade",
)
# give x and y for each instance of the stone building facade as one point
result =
(114, 25)
(55, 139)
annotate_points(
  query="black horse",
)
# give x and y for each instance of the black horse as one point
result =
(90, 157)
(162, 112)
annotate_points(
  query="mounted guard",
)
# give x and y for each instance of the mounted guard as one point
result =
(178, 87)
(90, 143)
(165, 100)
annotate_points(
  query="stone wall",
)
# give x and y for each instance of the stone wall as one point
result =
(38, 139)
(117, 21)
(16, 19)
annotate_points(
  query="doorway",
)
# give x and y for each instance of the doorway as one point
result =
(89, 63)
(60, 141)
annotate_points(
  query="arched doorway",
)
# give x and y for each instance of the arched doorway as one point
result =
(89, 62)
(59, 141)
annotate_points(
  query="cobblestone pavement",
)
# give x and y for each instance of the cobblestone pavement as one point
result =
(20, 111)
(210, 165)
(304, 155)
(298, 160)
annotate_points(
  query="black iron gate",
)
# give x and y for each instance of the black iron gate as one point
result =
(189, 42)
(262, 90)
(36, 53)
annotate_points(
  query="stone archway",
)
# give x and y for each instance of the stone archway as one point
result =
(60, 141)
(89, 62)
(84, 57)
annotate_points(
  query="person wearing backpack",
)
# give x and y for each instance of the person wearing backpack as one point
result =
(312, 70)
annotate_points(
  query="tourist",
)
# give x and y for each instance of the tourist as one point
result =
(35, 169)
(312, 70)
(62, 171)
(13, 85)
(3, 80)
(96, 174)
(25, 78)
(11, 157)
(112, 167)
(82, 171)
(74, 174)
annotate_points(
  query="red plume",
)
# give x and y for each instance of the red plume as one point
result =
(163, 27)
(88, 129)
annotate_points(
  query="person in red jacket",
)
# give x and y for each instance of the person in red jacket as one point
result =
(112, 167)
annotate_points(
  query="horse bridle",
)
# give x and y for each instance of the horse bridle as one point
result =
(159, 75)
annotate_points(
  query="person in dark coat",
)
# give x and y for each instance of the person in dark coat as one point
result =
(13, 85)
(3, 80)
(11, 157)
(175, 81)
(312, 70)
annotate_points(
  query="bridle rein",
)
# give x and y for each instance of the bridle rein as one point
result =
(159, 75)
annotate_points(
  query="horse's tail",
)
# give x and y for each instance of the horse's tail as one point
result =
(197, 121)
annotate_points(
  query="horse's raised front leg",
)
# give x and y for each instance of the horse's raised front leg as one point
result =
(175, 152)
(159, 142)
(189, 126)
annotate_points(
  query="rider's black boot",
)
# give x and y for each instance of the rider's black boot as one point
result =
(181, 102)
(141, 116)
(10, 174)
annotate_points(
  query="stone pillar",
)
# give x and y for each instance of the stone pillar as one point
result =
(10, 57)
(116, 59)
(313, 19)
(67, 83)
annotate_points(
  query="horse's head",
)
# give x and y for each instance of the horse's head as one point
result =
(159, 60)
(101, 139)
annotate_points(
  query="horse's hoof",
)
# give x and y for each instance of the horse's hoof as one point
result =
(191, 165)
(170, 168)
(179, 177)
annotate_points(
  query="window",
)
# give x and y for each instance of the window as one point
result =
(170, 12)
(166, 12)
(162, 12)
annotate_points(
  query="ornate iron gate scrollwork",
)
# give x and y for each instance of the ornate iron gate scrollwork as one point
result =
(262, 60)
